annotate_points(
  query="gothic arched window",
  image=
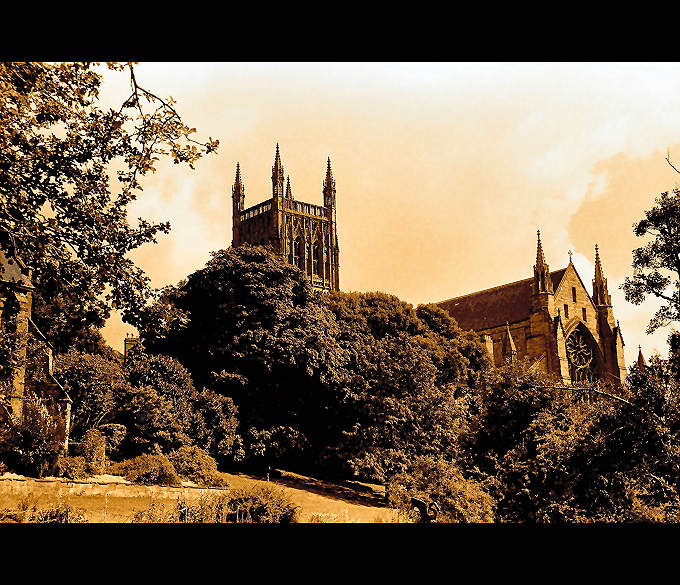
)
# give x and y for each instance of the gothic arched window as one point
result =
(297, 261)
(316, 264)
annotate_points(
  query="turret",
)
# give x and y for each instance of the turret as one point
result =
(289, 193)
(238, 200)
(601, 296)
(277, 175)
(542, 281)
(329, 187)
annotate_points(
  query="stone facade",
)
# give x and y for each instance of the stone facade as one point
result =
(551, 319)
(16, 295)
(303, 233)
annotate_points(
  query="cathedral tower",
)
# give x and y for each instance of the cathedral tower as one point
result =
(304, 234)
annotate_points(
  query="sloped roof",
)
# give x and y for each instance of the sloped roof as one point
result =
(494, 306)
(13, 270)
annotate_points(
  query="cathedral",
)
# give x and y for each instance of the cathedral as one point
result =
(303, 233)
(551, 319)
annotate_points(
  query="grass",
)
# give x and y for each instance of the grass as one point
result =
(319, 501)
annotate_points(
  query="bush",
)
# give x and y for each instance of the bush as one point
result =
(262, 505)
(94, 451)
(147, 469)
(28, 511)
(32, 446)
(434, 480)
(71, 467)
(196, 465)
(114, 435)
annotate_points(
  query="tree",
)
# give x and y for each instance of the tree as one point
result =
(61, 206)
(93, 383)
(656, 265)
(338, 383)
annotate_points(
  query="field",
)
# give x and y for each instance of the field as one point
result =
(110, 499)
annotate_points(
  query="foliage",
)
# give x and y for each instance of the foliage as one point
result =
(150, 420)
(570, 456)
(32, 445)
(436, 480)
(94, 451)
(206, 418)
(93, 383)
(28, 511)
(256, 505)
(656, 265)
(147, 469)
(61, 205)
(196, 465)
(320, 381)
(113, 434)
(71, 467)
(263, 505)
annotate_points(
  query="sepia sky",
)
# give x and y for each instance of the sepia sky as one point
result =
(444, 171)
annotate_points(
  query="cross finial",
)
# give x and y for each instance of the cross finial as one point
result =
(570, 253)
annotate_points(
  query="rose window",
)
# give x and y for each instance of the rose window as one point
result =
(581, 358)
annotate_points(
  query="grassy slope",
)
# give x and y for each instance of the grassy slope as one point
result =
(318, 500)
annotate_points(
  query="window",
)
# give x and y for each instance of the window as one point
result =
(315, 260)
(296, 253)
(585, 314)
(566, 311)
(573, 293)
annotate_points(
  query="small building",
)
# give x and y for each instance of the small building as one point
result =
(16, 295)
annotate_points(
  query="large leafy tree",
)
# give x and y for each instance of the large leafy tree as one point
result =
(68, 170)
(347, 381)
(656, 265)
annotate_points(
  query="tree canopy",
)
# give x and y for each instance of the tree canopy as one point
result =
(68, 170)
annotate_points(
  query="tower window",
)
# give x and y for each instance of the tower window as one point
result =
(315, 259)
(585, 314)
(573, 293)
(296, 253)
(566, 311)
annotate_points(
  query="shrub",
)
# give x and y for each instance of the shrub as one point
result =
(28, 511)
(196, 465)
(262, 505)
(460, 499)
(147, 469)
(32, 445)
(114, 435)
(94, 451)
(71, 467)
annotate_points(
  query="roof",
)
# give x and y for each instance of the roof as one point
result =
(13, 270)
(494, 307)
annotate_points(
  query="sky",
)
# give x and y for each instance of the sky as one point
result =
(444, 171)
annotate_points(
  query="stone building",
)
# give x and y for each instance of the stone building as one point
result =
(551, 319)
(16, 296)
(303, 233)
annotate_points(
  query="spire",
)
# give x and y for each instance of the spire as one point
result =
(540, 258)
(289, 193)
(641, 359)
(542, 281)
(509, 349)
(600, 292)
(277, 175)
(329, 187)
(238, 190)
